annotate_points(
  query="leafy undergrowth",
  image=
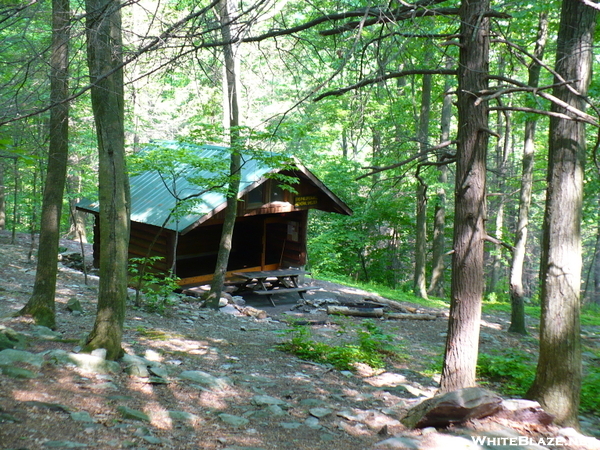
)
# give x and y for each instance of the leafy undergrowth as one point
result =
(371, 346)
(512, 371)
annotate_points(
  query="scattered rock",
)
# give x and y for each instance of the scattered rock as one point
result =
(82, 416)
(18, 372)
(205, 379)
(94, 363)
(45, 333)
(9, 357)
(319, 413)
(183, 416)
(453, 408)
(74, 305)
(136, 366)
(133, 414)
(57, 407)
(267, 400)
(290, 425)
(235, 421)
(9, 338)
(64, 444)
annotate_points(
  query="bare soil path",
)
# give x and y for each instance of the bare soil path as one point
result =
(257, 397)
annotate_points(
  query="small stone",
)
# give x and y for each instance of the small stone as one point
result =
(183, 416)
(45, 332)
(9, 338)
(81, 416)
(265, 400)
(235, 421)
(17, 372)
(312, 422)
(10, 356)
(99, 352)
(159, 372)
(133, 414)
(63, 444)
(152, 439)
(204, 379)
(74, 305)
(94, 363)
(319, 413)
(290, 425)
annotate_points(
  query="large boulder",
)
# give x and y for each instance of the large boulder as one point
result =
(453, 408)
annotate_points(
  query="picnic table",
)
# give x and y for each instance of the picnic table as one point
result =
(269, 282)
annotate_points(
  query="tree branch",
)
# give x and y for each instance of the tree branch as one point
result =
(495, 241)
(379, 79)
(420, 155)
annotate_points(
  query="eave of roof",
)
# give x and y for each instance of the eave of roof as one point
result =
(153, 202)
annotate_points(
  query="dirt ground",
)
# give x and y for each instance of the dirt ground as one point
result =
(240, 350)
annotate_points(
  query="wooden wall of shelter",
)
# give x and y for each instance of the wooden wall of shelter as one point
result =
(270, 232)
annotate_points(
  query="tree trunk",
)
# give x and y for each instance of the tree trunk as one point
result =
(557, 382)
(502, 150)
(517, 292)
(2, 198)
(77, 218)
(436, 285)
(231, 105)
(104, 47)
(462, 342)
(420, 277)
(595, 295)
(41, 304)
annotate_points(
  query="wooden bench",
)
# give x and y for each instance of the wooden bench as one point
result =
(277, 278)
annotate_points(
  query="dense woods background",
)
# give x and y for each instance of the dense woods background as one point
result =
(364, 94)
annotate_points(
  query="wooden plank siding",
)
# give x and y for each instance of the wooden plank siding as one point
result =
(270, 231)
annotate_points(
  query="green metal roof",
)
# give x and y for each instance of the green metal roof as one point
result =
(152, 192)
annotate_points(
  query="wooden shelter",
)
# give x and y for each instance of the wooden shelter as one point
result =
(270, 231)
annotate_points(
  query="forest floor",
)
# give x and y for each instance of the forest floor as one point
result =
(260, 397)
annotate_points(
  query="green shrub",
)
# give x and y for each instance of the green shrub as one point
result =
(590, 387)
(157, 288)
(513, 369)
(370, 347)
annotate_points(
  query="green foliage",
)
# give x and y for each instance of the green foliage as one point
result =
(514, 371)
(590, 387)
(370, 347)
(157, 289)
(513, 368)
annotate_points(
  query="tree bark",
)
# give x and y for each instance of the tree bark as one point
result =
(231, 105)
(517, 292)
(104, 47)
(41, 305)
(436, 285)
(2, 198)
(420, 277)
(594, 297)
(502, 150)
(77, 218)
(557, 383)
(462, 342)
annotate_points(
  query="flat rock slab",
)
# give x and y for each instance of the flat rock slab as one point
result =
(453, 408)
(205, 379)
(63, 444)
(235, 421)
(10, 356)
(133, 414)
